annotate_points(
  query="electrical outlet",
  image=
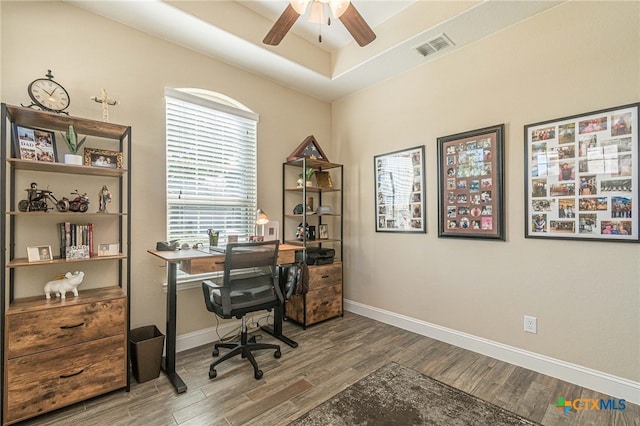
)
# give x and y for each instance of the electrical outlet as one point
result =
(530, 324)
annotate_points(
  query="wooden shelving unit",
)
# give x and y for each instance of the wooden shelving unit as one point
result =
(324, 299)
(57, 352)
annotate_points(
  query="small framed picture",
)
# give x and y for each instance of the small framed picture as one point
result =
(34, 144)
(323, 231)
(102, 158)
(108, 249)
(39, 253)
(77, 252)
(272, 230)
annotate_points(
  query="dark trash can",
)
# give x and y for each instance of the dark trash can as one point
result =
(146, 345)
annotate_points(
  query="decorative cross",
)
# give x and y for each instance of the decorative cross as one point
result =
(105, 101)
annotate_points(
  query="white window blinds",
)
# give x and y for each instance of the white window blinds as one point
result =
(211, 169)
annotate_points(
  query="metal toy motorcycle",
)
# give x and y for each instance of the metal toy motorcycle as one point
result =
(79, 204)
(37, 200)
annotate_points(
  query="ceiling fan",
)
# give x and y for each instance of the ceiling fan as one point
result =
(341, 9)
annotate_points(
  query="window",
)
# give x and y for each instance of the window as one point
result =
(211, 166)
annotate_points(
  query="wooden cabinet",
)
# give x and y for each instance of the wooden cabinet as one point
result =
(312, 227)
(324, 298)
(64, 351)
(56, 352)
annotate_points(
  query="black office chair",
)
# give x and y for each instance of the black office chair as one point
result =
(249, 284)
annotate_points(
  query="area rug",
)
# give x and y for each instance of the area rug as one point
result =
(398, 395)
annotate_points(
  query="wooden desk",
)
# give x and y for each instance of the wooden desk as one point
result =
(194, 261)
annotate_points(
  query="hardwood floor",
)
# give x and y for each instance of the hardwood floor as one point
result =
(331, 356)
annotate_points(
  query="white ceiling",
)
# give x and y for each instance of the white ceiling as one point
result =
(232, 31)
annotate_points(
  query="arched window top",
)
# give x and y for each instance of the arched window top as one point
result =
(215, 97)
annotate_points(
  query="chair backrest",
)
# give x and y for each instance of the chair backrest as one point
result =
(250, 280)
(250, 255)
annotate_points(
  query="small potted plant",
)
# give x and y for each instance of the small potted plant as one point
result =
(71, 139)
(305, 177)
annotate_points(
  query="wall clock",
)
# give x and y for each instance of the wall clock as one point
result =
(48, 95)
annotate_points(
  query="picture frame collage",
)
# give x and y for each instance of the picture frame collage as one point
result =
(399, 191)
(34, 144)
(470, 184)
(582, 176)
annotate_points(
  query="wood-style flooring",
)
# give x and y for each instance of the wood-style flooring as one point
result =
(331, 356)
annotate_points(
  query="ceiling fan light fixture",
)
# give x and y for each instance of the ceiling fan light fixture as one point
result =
(300, 6)
(316, 14)
(338, 7)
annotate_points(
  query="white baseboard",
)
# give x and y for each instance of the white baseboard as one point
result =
(204, 336)
(608, 384)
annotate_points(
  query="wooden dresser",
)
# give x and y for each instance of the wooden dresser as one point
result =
(324, 299)
(64, 351)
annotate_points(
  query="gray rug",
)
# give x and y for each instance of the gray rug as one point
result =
(397, 395)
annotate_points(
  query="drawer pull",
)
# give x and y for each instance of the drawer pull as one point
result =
(66, 376)
(326, 276)
(66, 327)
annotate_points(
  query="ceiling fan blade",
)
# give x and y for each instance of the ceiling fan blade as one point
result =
(356, 25)
(282, 26)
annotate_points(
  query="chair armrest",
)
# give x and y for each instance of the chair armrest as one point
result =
(225, 294)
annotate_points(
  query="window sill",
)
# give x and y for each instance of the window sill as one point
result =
(186, 282)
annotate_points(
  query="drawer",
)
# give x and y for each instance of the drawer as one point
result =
(321, 304)
(324, 303)
(45, 329)
(216, 263)
(50, 380)
(203, 266)
(325, 275)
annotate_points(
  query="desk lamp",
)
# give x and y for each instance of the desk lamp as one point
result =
(261, 219)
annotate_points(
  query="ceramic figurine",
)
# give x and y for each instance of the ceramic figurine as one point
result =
(70, 282)
(105, 197)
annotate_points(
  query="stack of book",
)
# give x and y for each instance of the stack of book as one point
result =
(76, 241)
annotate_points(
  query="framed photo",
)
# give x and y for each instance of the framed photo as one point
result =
(39, 253)
(323, 231)
(102, 158)
(34, 144)
(272, 230)
(108, 249)
(399, 191)
(471, 184)
(77, 252)
(581, 176)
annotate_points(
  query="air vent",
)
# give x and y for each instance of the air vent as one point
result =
(436, 44)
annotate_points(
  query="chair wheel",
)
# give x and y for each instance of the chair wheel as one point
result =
(277, 354)
(258, 374)
(213, 374)
(215, 352)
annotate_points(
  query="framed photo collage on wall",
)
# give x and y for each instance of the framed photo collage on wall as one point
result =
(581, 181)
(581, 177)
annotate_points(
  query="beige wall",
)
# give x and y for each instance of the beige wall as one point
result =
(579, 57)
(88, 52)
(575, 58)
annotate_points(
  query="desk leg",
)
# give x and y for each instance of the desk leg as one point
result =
(276, 331)
(169, 363)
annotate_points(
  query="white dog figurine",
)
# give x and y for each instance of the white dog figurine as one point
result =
(70, 282)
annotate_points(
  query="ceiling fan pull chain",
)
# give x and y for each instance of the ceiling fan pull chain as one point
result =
(319, 31)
